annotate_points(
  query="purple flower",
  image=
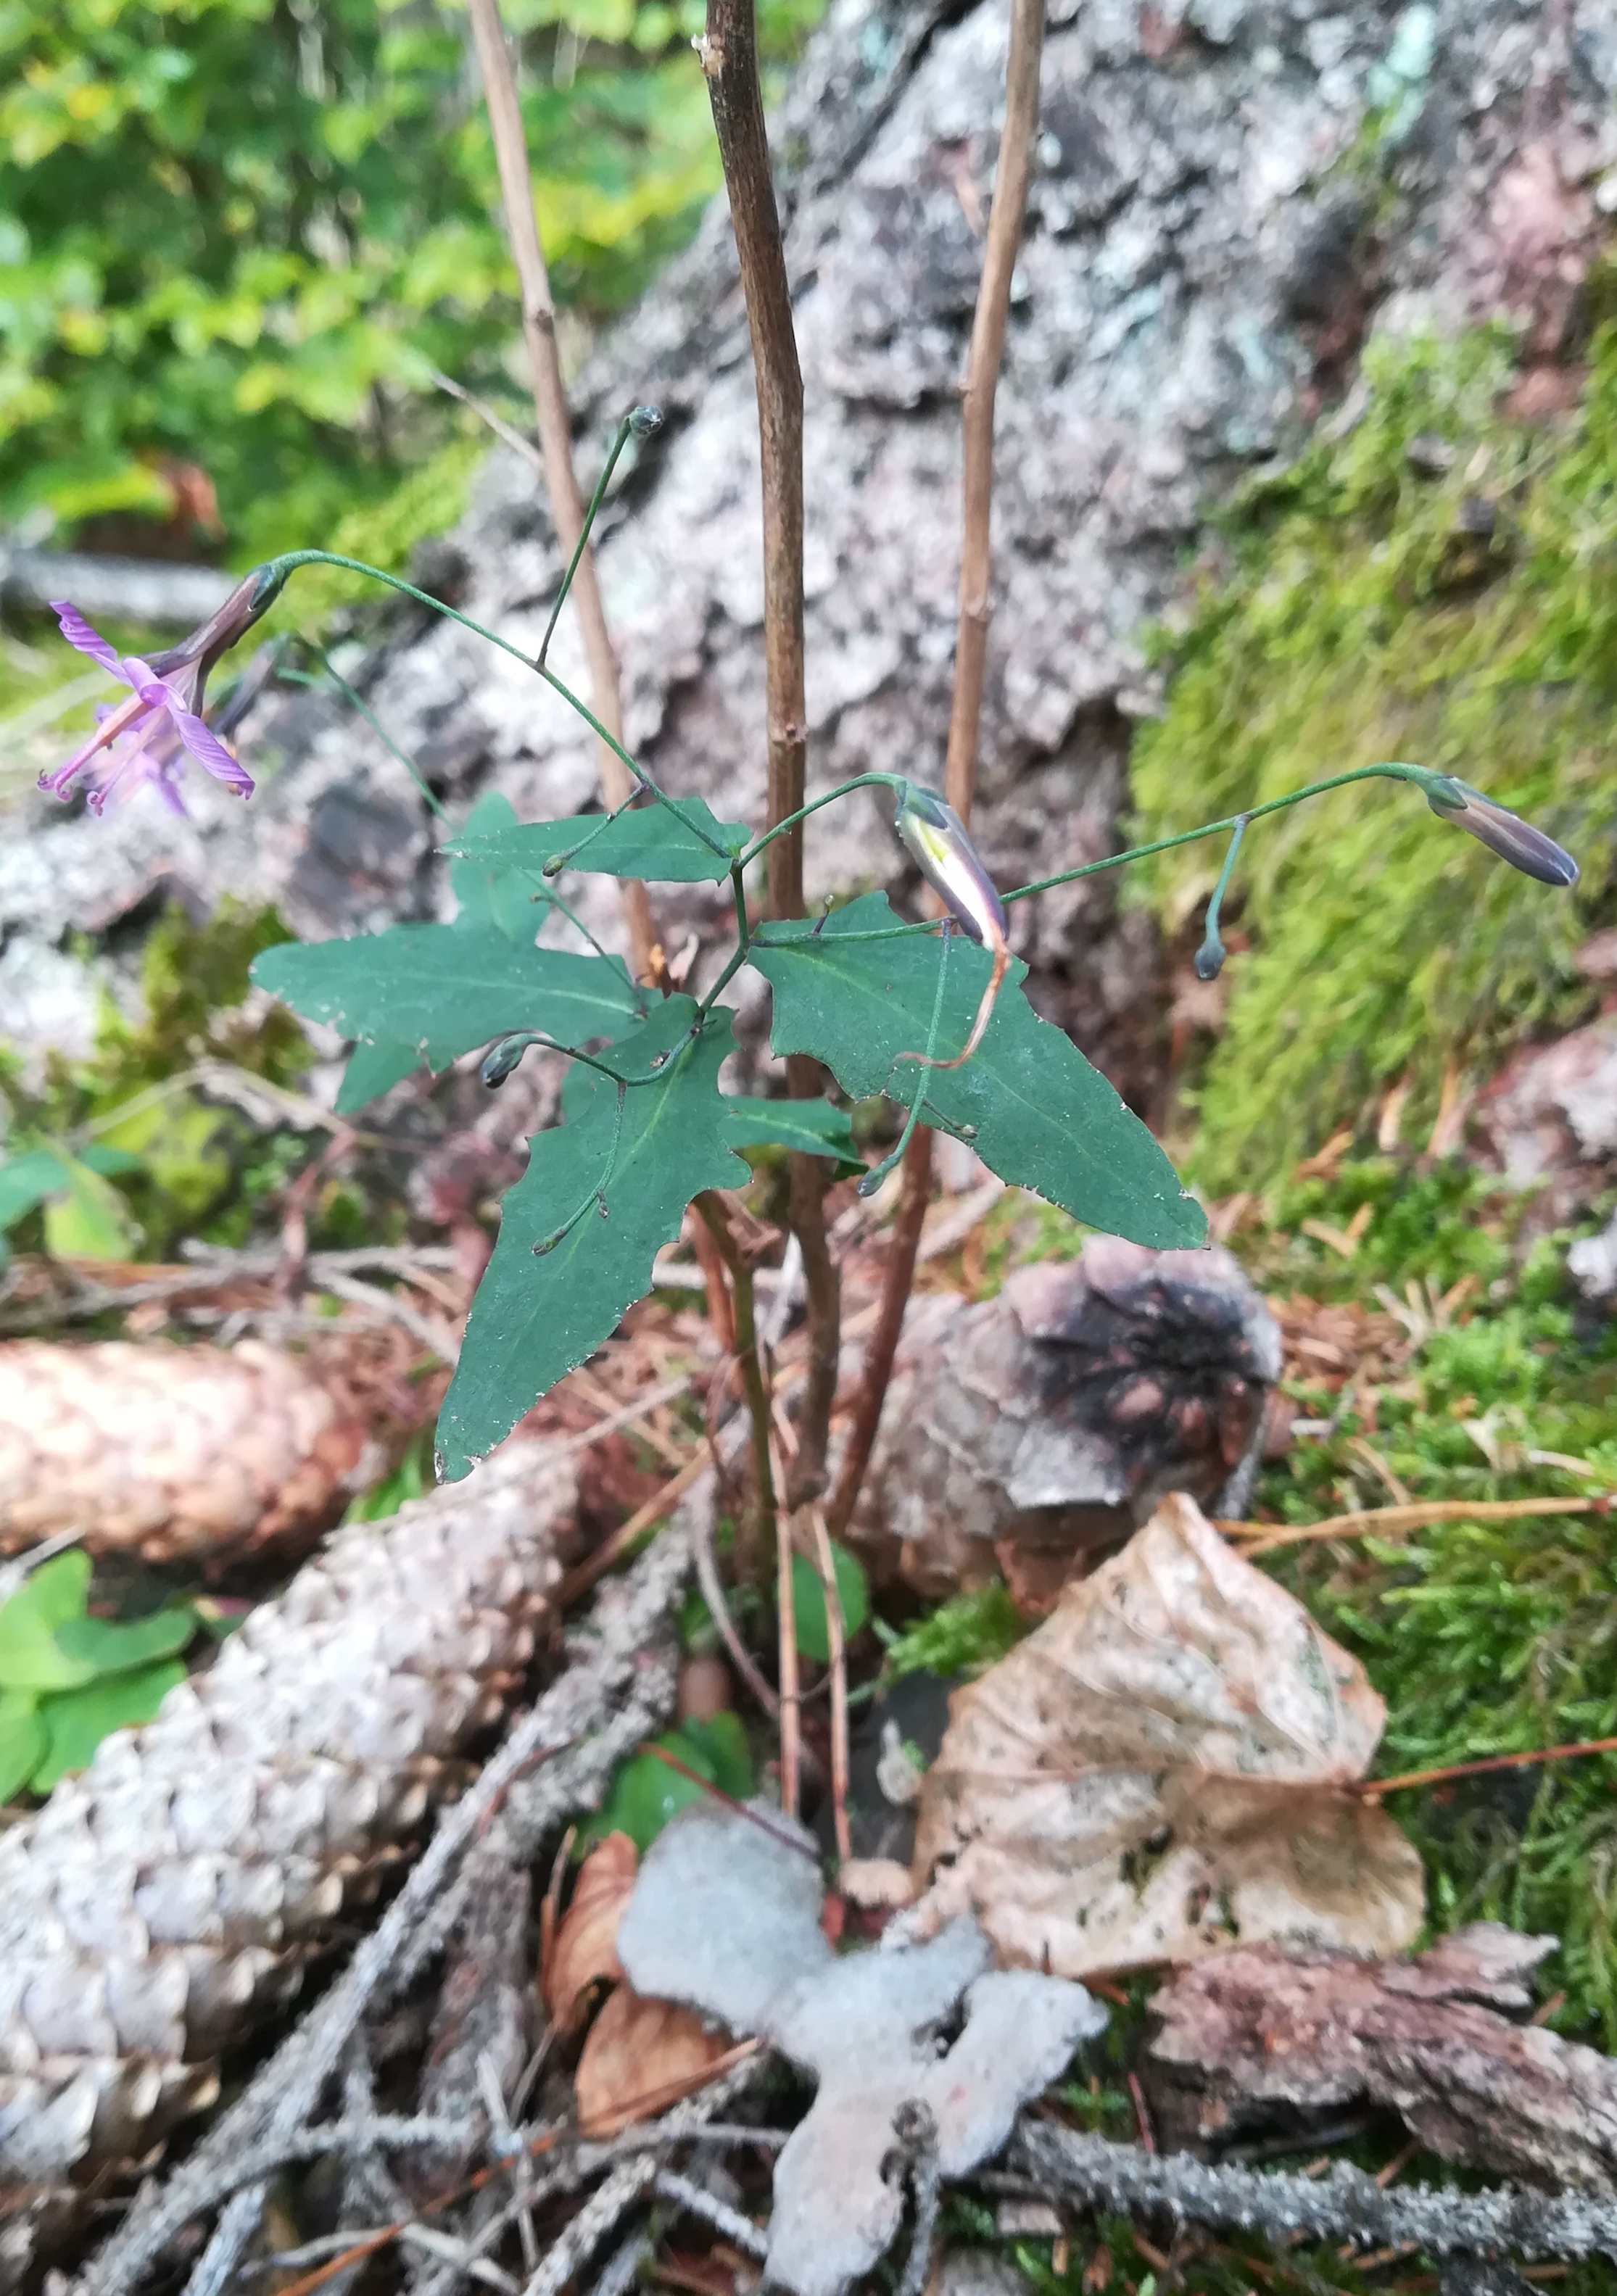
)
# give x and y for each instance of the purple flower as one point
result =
(146, 738)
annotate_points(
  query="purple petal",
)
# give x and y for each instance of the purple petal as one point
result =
(208, 750)
(79, 633)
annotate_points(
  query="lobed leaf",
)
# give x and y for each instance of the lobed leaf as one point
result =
(650, 840)
(815, 1126)
(488, 891)
(372, 1070)
(536, 1315)
(1035, 1110)
(444, 989)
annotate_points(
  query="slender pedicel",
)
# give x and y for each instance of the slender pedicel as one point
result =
(1208, 959)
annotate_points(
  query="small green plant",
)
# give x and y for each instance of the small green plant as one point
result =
(934, 1017)
(647, 1791)
(966, 1635)
(67, 1678)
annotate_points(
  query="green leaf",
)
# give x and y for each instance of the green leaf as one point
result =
(372, 1071)
(536, 1315)
(646, 1793)
(115, 1645)
(444, 989)
(22, 1740)
(809, 1601)
(815, 1126)
(91, 1221)
(490, 893)
(111, 1163)
(49, 1598)
(26, 1180)
(1034, 1109)
(75, 1721)
(649, 841)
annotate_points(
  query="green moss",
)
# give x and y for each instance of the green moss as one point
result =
(1358, 623)
(1484, 1637)
(962, 1635)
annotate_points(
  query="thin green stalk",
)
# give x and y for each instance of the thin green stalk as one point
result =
(625, 430)
(860, 781)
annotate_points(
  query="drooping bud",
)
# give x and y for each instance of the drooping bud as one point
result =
(1208, 962)
(643, 421)
(498, 1064)
(939, 842)
(1503, 833)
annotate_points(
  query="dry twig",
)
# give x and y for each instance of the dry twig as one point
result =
(555, 429)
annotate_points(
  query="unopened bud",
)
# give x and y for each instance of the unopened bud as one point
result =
(644, 420)
(1503, 833)
(498, 1064)
(1208, 962)
(933, 833)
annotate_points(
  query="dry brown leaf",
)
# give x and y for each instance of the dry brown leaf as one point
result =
(640, 2056)
(1155, 1774)
(584, 1949)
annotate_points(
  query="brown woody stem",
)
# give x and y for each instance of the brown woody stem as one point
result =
(898, 1276)
(556, 430)
(710, 1209)
(981, 378)
(971, 654)
(729, 59)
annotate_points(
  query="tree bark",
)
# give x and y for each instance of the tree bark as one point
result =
(1213, 228)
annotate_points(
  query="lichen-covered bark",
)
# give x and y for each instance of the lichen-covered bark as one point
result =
(1227, 193)
(161, 1901)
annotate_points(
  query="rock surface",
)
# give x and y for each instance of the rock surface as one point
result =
(1228, 194)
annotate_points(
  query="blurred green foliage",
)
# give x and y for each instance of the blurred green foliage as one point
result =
(143, 1155)
(1436, 584)
(239, 234)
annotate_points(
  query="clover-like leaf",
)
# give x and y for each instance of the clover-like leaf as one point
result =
(1032, 1106)
(49, 1599)
(75, 1721)
(22, 1740)
(809, 1601)
(647, 1791)
(444, 989)
(116, 1645)
(650, 840)
(603, 1191)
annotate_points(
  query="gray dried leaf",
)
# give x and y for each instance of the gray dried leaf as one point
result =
(724, 1917)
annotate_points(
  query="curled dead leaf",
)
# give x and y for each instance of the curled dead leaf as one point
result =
(642, 2056)
(1157, 1773)
(585, 1948)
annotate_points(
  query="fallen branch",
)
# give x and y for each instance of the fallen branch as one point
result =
(1265, 1537)
(1346, 2205)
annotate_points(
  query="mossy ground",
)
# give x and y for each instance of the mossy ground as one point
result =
(1370, 605)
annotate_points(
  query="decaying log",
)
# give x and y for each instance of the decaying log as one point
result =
(162, 1901)
(1020, 1431)
(169, 1451)
(1254, 2029)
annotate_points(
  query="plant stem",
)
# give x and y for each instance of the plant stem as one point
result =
(791, 1695)
(729, 59)
(971, 655)
(981, 380)
(710, 1209)
(836, 1644)
(555, 429)
(898, 1277)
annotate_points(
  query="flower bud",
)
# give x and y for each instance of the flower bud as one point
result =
(1503, 833)
(937, 840)
(643, 421)
(498, 1064)
(1208, 962)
